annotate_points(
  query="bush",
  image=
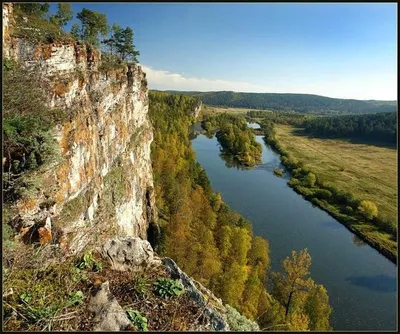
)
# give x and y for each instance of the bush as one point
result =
(323, 194)
(278, 171)
(368, 209)
(238, 322)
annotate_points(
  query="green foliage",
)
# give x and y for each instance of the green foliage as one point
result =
(305, 103)
(28, 141)
(33, 27)
(137, 320)
(310, 179)
(75, 298)
(140, 285)
(93, 24)
(380, 127)
(278, 171)
(235, 137)
(36, 9)
(63, 15)
(166, 287)
(121, 42)
(238, 322)
(86, 261)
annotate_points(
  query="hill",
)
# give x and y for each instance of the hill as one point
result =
(305, 103)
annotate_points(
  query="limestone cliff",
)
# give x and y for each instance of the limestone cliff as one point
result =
(103, 185)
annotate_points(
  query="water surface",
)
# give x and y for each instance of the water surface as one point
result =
(361, 283)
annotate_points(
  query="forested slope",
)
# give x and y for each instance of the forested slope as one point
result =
(295, 102)
(216, 245)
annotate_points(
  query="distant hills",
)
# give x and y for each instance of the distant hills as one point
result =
(305, 103)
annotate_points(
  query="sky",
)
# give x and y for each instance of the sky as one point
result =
(340, 50)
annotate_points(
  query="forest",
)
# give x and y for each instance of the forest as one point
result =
(216, 245)
(305, 103)
(380, 127)
(235, 138)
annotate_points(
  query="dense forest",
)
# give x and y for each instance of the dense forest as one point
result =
(235, 138)
(381, 127)
(216, 245)
(281, 117)
(305, 103)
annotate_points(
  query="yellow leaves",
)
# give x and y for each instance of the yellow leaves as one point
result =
(369, 209)
(299, 322)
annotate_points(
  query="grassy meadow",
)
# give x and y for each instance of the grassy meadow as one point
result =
(367, 171)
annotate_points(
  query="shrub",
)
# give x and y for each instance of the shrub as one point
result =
(310, 179)
(368, 209)
(238, 322)
(278, 171)
(323, 194)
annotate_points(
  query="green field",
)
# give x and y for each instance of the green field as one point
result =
(235, 111)
(367, 171)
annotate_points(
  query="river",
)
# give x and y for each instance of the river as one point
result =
(361, 283)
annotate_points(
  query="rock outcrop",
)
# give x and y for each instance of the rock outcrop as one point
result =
(103, 185)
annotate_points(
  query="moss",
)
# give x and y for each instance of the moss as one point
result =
(74, 208)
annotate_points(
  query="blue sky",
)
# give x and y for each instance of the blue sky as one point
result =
(337, 50)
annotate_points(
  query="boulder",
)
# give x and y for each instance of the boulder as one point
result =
(109, 316)
(129, 254)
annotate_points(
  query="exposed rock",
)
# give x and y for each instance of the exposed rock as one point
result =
(109, 315)
(213, 307)
(45, 235)
(129, 253)
(101, 187)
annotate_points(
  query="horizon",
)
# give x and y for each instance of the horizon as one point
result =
(337, 50)
(231, 91)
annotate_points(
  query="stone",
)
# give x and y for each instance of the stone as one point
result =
(201, 295)
(109, 315)
(129, 254)
(45, 235)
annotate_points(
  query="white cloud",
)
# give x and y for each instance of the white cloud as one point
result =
(359, 88)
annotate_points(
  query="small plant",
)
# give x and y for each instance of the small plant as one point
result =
(140, 285)
(75, 298)
(26, 297)
(78, 275)
(137, 320)
(166, 287)
(87, 261)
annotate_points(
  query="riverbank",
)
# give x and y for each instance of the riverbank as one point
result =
(341, 205)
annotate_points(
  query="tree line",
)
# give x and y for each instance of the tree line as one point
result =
(380, 127)
(304, 103)
(93, 28)
(216, 245)
(235, 138)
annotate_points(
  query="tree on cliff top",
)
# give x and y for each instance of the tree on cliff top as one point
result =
(63, 15)
(93, 24)
(36, 9)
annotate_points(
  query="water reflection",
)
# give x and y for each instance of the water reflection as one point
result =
(232, 162)
(381, 283)
(358, 242)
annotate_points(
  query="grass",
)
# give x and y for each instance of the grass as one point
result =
(367, 171)
(235, 111)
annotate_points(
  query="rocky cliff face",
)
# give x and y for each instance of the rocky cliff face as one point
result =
(103, 184)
